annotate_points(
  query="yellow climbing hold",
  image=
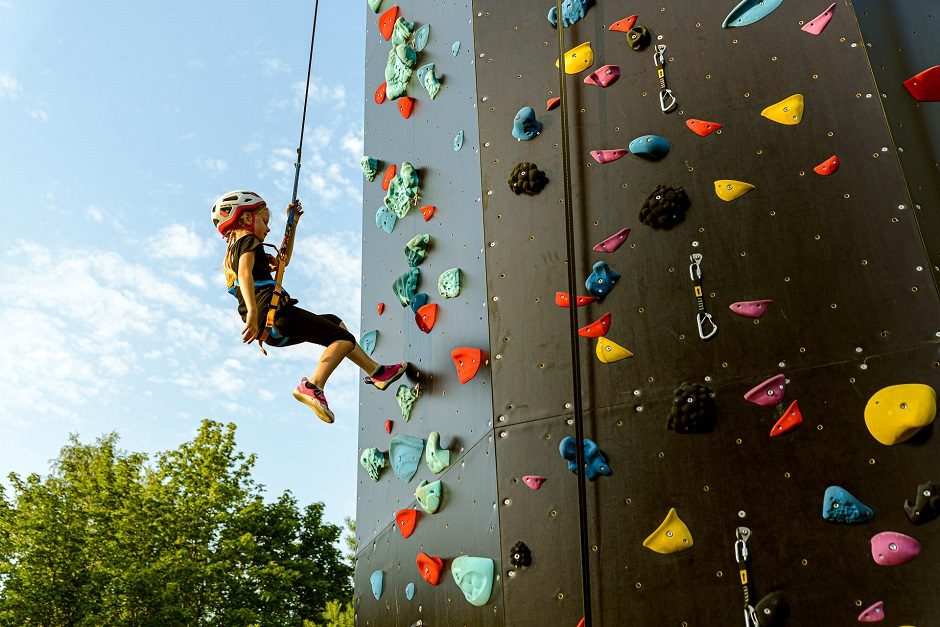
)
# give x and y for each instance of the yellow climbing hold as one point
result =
(578, 59)
(895, 413)
(609, 351)
(728, 190)
(788, 111)
(671, 536)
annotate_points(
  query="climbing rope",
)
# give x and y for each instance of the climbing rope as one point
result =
(573, 319)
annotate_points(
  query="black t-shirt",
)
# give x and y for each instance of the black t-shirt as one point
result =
(260, 272)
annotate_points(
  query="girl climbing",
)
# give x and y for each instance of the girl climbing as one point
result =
(242, 218)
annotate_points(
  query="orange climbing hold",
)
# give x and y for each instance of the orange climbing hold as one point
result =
(563, 299)
(427, 212)
(380, 93)
(380, 308)
(828, 166)
(552, 103)
(388, 427)
(598, 328)
(701, 127)
(791, 419)
(405, 105)
(426, 317)
(387, 22)
(468, 361)
(925, 86)
(430, 567)
(624, 25)
(405, 520)
(388, 176)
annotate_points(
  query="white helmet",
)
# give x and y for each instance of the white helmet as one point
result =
(229, 206)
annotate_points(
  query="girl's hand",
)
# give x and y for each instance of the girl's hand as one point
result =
(298, 209)
(272, 262)
(250, 332)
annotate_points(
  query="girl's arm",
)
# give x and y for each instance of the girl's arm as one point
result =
(246, 283)
(298, 211)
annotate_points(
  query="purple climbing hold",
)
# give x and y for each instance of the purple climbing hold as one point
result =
(604, 76)
(873, 614)
(751, 308)
(768, 393)
(819, 23)
(890, 548)
(613, 242)
(533, 481)
(606, 156)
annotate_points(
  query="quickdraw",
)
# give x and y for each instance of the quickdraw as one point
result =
(742, 535)
(667, 101)
(706, 326)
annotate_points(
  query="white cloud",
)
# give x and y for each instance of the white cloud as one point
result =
(39, 115)
(213, 166)
(335, 95)
(193, 279)
(331, 265)
(94, 214)
(9, 86)
(352, 143)
(273, 66)
(178, 242)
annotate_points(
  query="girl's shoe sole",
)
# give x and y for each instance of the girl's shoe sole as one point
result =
(381, 385)
(323, 413)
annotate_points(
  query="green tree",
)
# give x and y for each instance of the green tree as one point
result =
(352, 546)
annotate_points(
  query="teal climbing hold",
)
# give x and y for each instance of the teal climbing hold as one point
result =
(428, 78)
(369, 167)
(435, 457)
(373, 460)
(398, 70)
(404, 455)
(840, 506)
(595, 464)
(474, 577)
(421, 37)
(406, 398)
(458, 141)
(601, 281)
(402, 190)
(429, 495)
(650, 146)
(406, 285)
(418, 301)
(750, 11)
(448, 284)
(454, 49)
(410, 591)
(385, 219)
(374, 5)
(525, 126)
(376, 580)
(417, 248)
(367, 341)
(571, 12)
(402, 31)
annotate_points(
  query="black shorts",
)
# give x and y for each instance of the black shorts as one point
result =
(299, 325)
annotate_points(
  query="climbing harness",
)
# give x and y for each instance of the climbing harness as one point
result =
(706, 326)
(742, 535)
(667, 102)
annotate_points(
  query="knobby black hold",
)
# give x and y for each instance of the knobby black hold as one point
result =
(665, 207)
(926, 505)
(693, 409)
(639, 38)
(526, 178)
(520, 555)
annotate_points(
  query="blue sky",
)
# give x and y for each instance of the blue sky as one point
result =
(120, 123)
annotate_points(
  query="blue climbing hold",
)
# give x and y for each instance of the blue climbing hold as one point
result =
(455, 48)
(750, 11)
(385, 219)
(410, 591)
(595, 464)
(406, 286)
(421, 37)
(376, 579)
(651, 146)
(601, 281)
(524, 125)
(458, 141)
(840, 506)
(571, 12)
(405, 454)
(367, 341)
(418, 301)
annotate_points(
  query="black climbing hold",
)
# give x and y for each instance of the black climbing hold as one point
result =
(665, 207)
(693, 409)
(772, 610)
(926, 505)
(519, 555)
(526, 178)
(639, 38)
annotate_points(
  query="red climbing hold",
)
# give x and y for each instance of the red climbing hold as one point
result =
(701, 127)
(624, 25)
(467, 360)
(427, 212)
(552, 103)
(388, 176)
(828, 166)
(405, 520)
(380, 93)
(581, 623)
(562, 299)
(380, 308)
(405, 105)
(925, 86)
(388, 427)
(387, 22)
(533, 481)
(426, 317)
(597, 328)
(430, 567)
(791, 419)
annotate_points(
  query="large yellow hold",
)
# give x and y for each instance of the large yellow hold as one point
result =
(729, 190)
(609, 351)
(578, 59)
(788, 111)
(672, 536)
(895, 413)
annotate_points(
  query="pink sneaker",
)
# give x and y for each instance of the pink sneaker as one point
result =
(389, 374)
(314, 399)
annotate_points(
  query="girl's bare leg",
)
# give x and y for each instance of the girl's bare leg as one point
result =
(334, 355)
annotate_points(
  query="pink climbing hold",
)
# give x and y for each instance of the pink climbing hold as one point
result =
(790, 420)
(750, 308)
(828, 166)
(624, 25)
(552, 103)
(613, 242)
(533, 481)
(768, 393)
(890, 548)
(873, 614)
(563, 299)
(606, 156)
(603, 76)
(598, 328)
(819, 23)
(925, 86)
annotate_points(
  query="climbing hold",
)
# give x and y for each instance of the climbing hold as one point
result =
(525, 126)
(426, 317)
(519, 555)
(405, 521)
(571, 12)
(376, 580)
(435, 457)
(595, 464)
(458, 141)
(533, 481)
(639, 38)
(562, 299)
(385, 219)
(693, 409)
(750, 308)
(839, 505)
(652, 146)
(388, 427)
(448, 284)
(890, 548)
(624, 25)
(427, 212)
(410, 591)
(788, 111)
(665, 207)
(768, 393)
(380, 93)
(827, 167)
(925, 86)
(387, 22)
(429, 79)
(895, 413)
(402, 190)
(578, 59)
(604, 76)
(474, 577)
(601, 280)
(526, 178)
(749, 11)
(417, 248)
(405, 106)
(613, 242)
(551, 103)
(421, 37)
(367, 341)
(609, 351)
(398, 69)
(374, 5)
(418, 301)
(401, 33)
(404, 455)
(701, 127)
(430, 567)
(772, 610)
(455, 48)
(598, 328)
(390, 172)
(429, 495)
(606, 156)
(926, 505)
(406, 398)
(380, 308)
(790, 420)
(369, 166)
(672, 535)
(873, 614)
(819, 23)
(373, 460)
(468, 361)
(406, 285)
(729, 190)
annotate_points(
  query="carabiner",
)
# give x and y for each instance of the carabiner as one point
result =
(750, 617)
(695, 268)
(667, 102)
(659, 58)
(704, 319)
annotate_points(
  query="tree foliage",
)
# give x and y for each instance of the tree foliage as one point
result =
(113, 538)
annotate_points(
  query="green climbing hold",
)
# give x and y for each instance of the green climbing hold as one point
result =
(398, 70)
(402, 31)
(430, 81)
(448, 284)
(404, 455)
(417, 249)
(474, 577)
(374, 5)
(369, 167)
(402, 190)
(437, 458)
(373, 460)
(406, 286)
(421, 37)
(429, 495)
(406, 398)
(458, 141)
